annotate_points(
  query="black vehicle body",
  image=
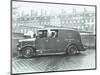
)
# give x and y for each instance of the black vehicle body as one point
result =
(64, 42)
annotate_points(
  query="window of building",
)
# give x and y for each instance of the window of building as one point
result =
(86, 21)
(63, 22)
(41, 22)
(90, 14)
(78, 21)
(82, 21)
(74, 21)
(66, 21)
(70, 21)
(92, 20)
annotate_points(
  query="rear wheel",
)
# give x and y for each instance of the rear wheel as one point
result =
(28, 52)
(72, 50)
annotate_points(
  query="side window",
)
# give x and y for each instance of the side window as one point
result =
(54, 33)
(45, 33)
(42, 33)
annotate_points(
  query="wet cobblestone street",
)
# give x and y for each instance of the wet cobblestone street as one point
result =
(85, 60)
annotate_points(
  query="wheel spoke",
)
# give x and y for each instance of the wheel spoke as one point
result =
(72, 50)
(28, 52)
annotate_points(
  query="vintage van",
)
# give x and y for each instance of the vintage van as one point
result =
(51, 41)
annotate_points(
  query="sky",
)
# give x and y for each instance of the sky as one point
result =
(50, 8)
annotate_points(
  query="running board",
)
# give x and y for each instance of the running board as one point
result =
(51, 53)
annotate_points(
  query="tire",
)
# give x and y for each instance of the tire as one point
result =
(72, 50)
(28, 52)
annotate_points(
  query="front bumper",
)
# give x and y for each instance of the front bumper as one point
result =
(19, 52)
(81, 48)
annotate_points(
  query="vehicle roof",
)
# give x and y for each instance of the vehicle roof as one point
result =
(58, 29)
(68, 29)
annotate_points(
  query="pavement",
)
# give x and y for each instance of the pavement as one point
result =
(85, 60)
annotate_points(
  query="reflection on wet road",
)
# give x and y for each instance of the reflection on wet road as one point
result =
(85, 60)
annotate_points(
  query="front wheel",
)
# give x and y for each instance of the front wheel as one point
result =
(72, 50)
(28, 52)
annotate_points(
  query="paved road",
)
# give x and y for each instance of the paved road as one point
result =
(85, 60)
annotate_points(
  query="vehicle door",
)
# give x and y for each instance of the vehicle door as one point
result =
(53, 42)
(41, 42)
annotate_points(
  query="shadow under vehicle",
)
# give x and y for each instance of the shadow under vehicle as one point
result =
(51, 42)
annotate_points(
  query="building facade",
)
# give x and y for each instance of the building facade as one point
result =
(84, 21)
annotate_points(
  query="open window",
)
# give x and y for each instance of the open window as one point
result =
(54, 33)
